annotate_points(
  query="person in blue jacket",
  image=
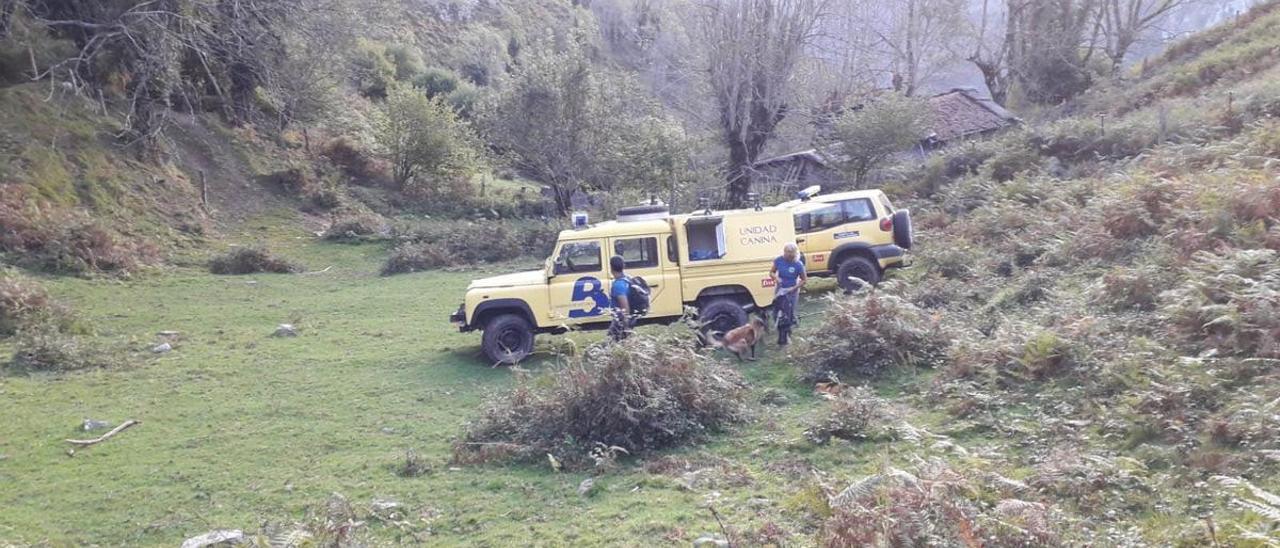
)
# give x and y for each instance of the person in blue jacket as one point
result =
(789, 276)
(618, 291)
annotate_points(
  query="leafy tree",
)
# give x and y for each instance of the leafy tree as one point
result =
(423, 139)
(572, 125)
(865, 138)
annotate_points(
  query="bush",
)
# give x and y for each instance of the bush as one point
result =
(20, 299)
(52, 239)
(1130, 289)
(935, 506)
(433, 244)
(866, 334)
(251, 260)
(1230, 303)
(436, 81)
(424, 141)
(643, 394)
(24, 301)
(42, 346)
(355, 227)
(856, 414)
(412, 257)
(356, 163)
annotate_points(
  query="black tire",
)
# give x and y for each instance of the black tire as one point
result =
(856, 272)
(902, 233)
(507, 339)
(721, 316)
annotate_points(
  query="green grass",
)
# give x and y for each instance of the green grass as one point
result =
(239, 428)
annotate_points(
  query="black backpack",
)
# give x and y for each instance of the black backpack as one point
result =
(638, 295)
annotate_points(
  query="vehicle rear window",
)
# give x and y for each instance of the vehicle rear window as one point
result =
(858, 210)
(637, 252)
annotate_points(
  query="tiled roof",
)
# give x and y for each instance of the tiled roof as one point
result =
(962, 112)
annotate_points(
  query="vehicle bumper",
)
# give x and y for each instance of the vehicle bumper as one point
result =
(891, 256)
(459, 318)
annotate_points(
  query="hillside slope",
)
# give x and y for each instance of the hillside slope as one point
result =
(1111, 287)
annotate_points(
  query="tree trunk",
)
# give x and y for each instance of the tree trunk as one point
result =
(740, 162)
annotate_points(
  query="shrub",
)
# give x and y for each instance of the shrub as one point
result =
(354, 227)
(292, 181)
(935, 506)
(854, 415)
(424, 139)
(411, 257)
(53, 239)
(1008, 163)
(1046, 355)
(24, 302)
(1130, 289)
(356, 163)
(42, 346)
(433, 244)
(436, 81)
(645, 393)
(1230, 303)
(251, 260)
(866, 334)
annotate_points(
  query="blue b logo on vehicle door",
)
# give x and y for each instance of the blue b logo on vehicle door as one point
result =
(589, 288)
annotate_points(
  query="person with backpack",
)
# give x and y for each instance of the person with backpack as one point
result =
(629, 298)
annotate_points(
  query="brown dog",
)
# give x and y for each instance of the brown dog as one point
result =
(741, 339)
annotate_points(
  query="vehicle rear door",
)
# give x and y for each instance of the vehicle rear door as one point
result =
(578, 291)
(651, 257)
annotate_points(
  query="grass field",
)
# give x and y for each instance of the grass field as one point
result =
(240, 428)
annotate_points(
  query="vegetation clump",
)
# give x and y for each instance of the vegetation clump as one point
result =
(24, 301)
(1230, 305)
(59, 240)
(934, 506)
(430, 244)
(643, 394)
(854, 415)
(44, 347)
(251, 260)
(869, 333)
(356, 227)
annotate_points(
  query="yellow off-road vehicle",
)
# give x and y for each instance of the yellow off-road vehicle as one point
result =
(715, 261)
(854, 236)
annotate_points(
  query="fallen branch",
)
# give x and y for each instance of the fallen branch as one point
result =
(326, 269)
(104, 437)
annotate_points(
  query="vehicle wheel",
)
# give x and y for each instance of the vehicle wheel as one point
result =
(720, 315)
(507, 339)
(902, 234)
(857, 272)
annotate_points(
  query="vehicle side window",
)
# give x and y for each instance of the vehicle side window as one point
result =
(673, 254)
(637, 252)
(579, 257)
(825, 218)
(856, 211)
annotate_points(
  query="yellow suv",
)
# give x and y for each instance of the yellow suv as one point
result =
(854, 236)
(715, 261)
